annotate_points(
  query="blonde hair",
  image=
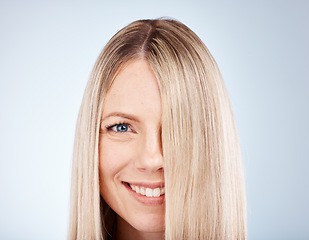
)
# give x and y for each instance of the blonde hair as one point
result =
(205, 196)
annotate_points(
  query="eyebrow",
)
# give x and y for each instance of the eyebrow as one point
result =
(123, 115)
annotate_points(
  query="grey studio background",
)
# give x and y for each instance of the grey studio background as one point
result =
(47, 50)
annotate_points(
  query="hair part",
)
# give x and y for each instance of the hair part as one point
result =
(205, 196)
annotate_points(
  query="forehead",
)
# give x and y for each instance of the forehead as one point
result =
(134, 89)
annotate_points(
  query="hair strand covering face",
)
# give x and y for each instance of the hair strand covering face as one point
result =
(205, 196)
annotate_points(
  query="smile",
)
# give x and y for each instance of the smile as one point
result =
(148, 192)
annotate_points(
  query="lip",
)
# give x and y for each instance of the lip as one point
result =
(143, 199)
(147, 185)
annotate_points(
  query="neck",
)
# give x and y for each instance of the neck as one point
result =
(125, 231)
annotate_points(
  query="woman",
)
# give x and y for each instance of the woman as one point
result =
(156, 153)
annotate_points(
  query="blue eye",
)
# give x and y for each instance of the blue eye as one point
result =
(122, 127)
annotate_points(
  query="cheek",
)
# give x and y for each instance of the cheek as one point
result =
(110, 159)
(115, 157)
(115, 160)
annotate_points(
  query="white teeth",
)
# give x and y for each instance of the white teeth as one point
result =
(156, 192)
(148, 192)
(143, 191)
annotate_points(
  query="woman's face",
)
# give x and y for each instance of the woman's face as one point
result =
(131, 163)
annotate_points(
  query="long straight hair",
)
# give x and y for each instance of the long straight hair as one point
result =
(205, 195)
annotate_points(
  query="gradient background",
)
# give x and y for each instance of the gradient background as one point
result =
(47, 50)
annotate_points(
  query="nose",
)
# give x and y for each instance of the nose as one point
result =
(150, 158)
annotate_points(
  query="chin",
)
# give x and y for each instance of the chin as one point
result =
(150, 224)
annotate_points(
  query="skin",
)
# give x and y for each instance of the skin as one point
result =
(132, 152)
